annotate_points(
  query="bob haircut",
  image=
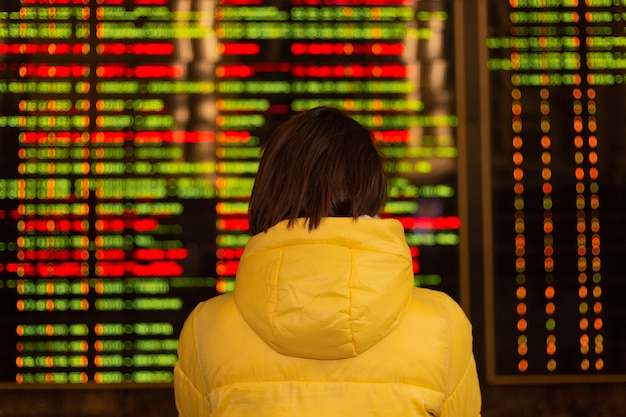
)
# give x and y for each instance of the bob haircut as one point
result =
(321, 163)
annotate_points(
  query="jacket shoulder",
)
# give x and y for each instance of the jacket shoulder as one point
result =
(217, 301)
(204, 318)
(444, 316)
(202, 330)
(439, 303)
(450, 330)
(214, 304)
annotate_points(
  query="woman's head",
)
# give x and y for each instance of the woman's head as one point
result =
(321, 163)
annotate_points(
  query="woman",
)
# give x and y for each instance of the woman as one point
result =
(324, 319)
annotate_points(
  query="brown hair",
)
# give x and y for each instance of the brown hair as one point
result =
(321, 163)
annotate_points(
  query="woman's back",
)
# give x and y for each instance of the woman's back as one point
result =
(324, 323)
(325, 320)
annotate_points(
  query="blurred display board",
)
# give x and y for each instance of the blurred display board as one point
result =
(130, 133)
(555, 205)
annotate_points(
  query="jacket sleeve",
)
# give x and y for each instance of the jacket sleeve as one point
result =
(464, 397)
(190, 388)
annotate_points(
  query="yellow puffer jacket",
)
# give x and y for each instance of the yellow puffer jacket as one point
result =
(327, 323)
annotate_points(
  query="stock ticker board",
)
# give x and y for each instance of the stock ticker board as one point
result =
(557, 181)
(130, 134)
(130, 137)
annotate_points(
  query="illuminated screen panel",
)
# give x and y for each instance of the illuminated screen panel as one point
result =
(385, 62)
(130, 136)
(556, 80)
(108, 191)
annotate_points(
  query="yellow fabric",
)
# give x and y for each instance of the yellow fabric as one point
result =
(327, 323)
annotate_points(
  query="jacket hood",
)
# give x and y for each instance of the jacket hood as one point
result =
(330, 293)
